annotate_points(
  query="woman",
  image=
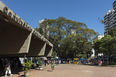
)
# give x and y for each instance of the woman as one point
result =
(52, 65)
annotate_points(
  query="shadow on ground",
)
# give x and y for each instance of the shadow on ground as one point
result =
(99, 66)
(14, 71)
(49, 70)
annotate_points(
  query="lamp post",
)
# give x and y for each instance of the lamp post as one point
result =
(107, 23)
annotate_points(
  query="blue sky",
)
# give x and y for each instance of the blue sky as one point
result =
(86, 11)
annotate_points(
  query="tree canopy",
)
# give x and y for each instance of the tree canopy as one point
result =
(70, 38)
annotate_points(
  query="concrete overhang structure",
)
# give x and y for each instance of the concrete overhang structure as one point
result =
(18, 38)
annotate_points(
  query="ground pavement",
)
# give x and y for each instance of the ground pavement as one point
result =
(72, 70)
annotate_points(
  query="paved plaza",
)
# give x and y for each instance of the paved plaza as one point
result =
(72, 70)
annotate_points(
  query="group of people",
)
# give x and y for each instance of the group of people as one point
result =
(7, 66)
(52, 62)
(48, 62)
(97, 62)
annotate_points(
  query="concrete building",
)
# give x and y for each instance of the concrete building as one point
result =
(110, 18)
(99, 54)
(100, 36)
(18, 38)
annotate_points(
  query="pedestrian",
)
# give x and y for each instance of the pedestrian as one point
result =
(56, 62)
(45, 62)
(8, 69)
(52, 65)
(59, 62)
(48, 62)
(99, 62)
(37, 63)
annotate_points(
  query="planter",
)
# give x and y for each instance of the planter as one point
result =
(26, 73)
(40, 68)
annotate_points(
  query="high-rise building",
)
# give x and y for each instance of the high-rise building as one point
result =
(110, 18)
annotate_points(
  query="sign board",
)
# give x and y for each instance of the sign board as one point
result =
(75, 58)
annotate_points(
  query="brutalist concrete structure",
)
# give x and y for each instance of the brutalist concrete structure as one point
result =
(18, 38)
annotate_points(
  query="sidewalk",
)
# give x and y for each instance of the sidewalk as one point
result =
(71, 70)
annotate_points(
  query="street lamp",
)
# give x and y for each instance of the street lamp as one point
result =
(107, 23)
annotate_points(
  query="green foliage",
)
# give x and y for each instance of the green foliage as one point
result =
(27, 66)
(112, 31)
(70, 38)
(39, 30)
(103, 45)
(40, 63)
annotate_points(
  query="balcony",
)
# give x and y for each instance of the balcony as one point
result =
(115, 11)
(114, 2)
(106, 29)
(114, 6)
(106, 26)
(105, 33)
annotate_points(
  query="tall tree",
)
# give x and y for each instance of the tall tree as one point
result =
(69, 38)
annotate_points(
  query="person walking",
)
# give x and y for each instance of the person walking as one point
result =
(59, 62)
(101, 63)
(45, 62)
(37, 63)
(48, 62)
(52, 65)
(56, 62)
(8, 69)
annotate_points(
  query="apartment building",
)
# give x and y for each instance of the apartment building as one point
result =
(110, 18)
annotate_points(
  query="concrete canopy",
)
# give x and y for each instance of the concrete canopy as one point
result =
(18, 38)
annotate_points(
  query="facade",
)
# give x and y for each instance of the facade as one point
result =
(110, 18)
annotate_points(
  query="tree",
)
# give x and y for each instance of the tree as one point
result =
(70, 38)
(112, 31)
(101, 46)
(104, 46)
(39, 30)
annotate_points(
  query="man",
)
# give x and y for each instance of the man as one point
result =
(59, 62)
(8, 69)
(37, 63)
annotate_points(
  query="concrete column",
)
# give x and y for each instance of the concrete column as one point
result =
(50, 53)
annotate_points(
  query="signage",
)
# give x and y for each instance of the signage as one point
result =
(19, 20)
(75, 58)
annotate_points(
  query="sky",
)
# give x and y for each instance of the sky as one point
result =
(86, 11)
